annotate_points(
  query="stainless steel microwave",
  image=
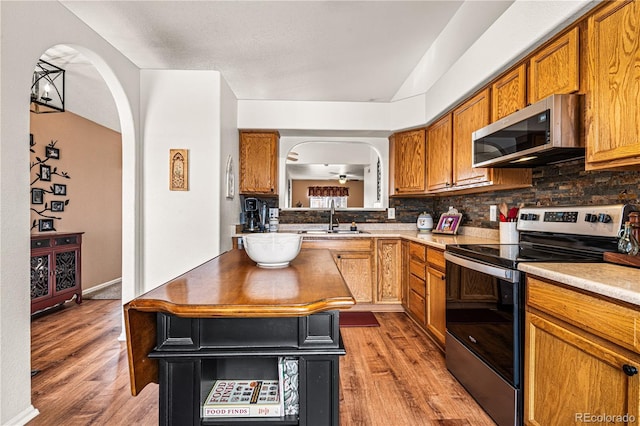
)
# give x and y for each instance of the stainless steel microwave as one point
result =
(545, 132)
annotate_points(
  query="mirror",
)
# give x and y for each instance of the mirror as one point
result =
(350, 171)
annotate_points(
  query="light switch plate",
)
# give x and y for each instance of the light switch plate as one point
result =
(493, 213)
(391, 213)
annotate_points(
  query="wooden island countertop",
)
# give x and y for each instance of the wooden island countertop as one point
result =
(231, 285)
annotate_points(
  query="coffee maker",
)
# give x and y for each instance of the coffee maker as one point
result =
(252, 220)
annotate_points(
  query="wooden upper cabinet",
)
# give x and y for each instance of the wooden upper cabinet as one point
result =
(439, 154)
(613, 114)
(467, 118)
(555, 68)
(259, 162)
(409, 161)
(508, 94)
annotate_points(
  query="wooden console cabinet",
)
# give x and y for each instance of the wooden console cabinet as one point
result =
(55, 269)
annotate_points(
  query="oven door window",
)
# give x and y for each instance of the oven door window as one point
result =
(483, 313)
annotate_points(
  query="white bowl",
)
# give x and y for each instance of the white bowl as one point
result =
(272, 250)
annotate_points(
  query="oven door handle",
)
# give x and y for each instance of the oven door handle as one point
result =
(495, 271)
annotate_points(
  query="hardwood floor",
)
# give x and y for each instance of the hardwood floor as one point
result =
(392, 374)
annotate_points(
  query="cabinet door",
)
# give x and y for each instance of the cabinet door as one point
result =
(439, 154)
(555, 68)
(259, 163)
(436, 303)
(569, 376)
(613, 116)
(508, 94)
(40, 275)
(389, 270)
(409, 153)
(469, 117)
(356, 269)
(66, 268)
(405, 274)
(417, 306)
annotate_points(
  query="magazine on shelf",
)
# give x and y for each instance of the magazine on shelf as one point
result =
(245, 398)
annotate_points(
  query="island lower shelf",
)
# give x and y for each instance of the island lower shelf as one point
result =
(192, 353)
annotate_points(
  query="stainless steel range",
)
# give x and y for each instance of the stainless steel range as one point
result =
(485, 297)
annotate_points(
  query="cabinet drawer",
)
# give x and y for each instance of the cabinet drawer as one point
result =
(40, 243)
(417, 252)
(418, 285)
(416, 305)
(435, 258)
(418, 269)
(342, 244)
(603, 318)
(67, 240)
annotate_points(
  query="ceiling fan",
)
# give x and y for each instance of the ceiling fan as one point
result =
(343, 176)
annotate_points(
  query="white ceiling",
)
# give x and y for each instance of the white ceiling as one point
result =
(291, 50)
(360, 51)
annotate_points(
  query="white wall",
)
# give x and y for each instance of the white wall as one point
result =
(181, 228)
(329, 116)
(431, 90)
(20, 49)
(517, 32)
(229, 208)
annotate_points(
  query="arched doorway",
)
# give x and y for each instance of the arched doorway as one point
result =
(126, 191)
(86, 168)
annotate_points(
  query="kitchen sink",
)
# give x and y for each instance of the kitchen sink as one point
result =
(326, 231)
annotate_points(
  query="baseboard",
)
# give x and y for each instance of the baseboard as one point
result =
(374, 307)
(24, 417)
(96, 288)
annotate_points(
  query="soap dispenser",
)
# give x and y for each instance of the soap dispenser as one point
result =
(425, 222)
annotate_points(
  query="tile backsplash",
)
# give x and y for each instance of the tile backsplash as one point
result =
(554, 185)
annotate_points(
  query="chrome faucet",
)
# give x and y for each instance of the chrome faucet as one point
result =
(332, 213)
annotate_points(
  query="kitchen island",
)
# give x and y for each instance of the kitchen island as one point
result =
(229, 319)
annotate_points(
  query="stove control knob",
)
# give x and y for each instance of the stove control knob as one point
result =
(590, 217)
(604, 218)
(532, 216)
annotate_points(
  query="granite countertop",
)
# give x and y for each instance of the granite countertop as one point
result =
(606, 279)
(466, 235)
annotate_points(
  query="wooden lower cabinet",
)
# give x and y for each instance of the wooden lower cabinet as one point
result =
(405, 274)
(436, 302)
(355, 260)
(426, 289)
(356, 269)
(389, 270)
(371, 267)
(574, 373)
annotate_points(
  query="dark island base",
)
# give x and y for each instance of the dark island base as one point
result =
(193, 353)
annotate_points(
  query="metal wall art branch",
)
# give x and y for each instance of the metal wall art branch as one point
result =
(45, 174)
